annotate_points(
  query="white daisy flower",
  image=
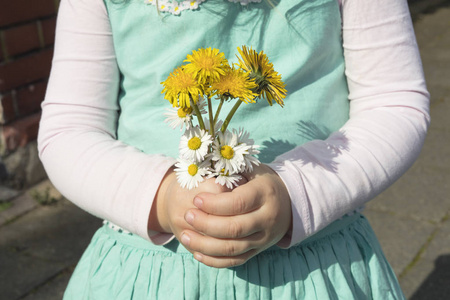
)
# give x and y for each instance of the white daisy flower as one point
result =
(190, 174)
(182, 116)
(201, 103)
(194, 144)
(179, 116)
(190, 4)
(226, 179)
(249, 159)
(228, 154)
(176, 10)
(164, 5)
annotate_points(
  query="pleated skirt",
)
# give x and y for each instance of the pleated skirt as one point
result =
(343, 261)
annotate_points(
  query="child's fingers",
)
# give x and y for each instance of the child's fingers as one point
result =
(241, 200)
(226, 227)
(210, 246)
(225, 262)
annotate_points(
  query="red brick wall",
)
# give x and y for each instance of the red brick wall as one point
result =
(26, 47)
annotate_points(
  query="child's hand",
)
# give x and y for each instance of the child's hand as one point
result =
(172, 202)
(235, 226)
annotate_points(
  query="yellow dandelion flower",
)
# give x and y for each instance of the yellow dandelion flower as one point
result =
(180, 87)
(235, 83)
(270, 85)
(206, 64)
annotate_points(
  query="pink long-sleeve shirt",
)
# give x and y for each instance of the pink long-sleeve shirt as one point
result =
(383, 137)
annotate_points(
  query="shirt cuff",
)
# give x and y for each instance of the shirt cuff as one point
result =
(299, 203)
(143, 207)
(159, 238)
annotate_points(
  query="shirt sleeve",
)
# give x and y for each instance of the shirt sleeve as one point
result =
(389, 116)
(77, 136)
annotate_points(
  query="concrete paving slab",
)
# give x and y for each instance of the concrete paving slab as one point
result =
(24, 273)
(411, 282)
(440, 244)
(53, 233)
(421, 194)
(49, 239)
(437, 255)
(21, 205)
(437, 284)
(432, 28)
(429, 278)
(401, 238)
(6, 194)
(440, 110)
(52, 290)
(45, 193)
(436, 151)
(419, 7)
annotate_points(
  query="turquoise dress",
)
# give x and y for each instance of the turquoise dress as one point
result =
(302, 38)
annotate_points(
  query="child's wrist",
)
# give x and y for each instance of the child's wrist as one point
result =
(158, 218)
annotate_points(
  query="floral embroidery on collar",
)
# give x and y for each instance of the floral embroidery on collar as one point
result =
(175, 7)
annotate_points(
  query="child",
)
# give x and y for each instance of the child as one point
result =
(292, 229)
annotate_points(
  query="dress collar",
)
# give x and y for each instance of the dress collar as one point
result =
(176, 7)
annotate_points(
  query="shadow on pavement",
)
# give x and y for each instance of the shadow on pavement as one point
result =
(437, 285)
(418, 7)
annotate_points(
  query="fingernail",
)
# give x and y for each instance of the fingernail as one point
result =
(198, 202)
(198, 256)
(185, 239)
(189, 217)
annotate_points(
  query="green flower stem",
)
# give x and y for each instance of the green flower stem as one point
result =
(218, 110)
(211, 121)
(230, 115)
(198, 114)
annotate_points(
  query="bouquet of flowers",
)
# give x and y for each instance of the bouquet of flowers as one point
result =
(209, 149)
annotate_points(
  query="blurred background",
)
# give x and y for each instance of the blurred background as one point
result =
(42, 235)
